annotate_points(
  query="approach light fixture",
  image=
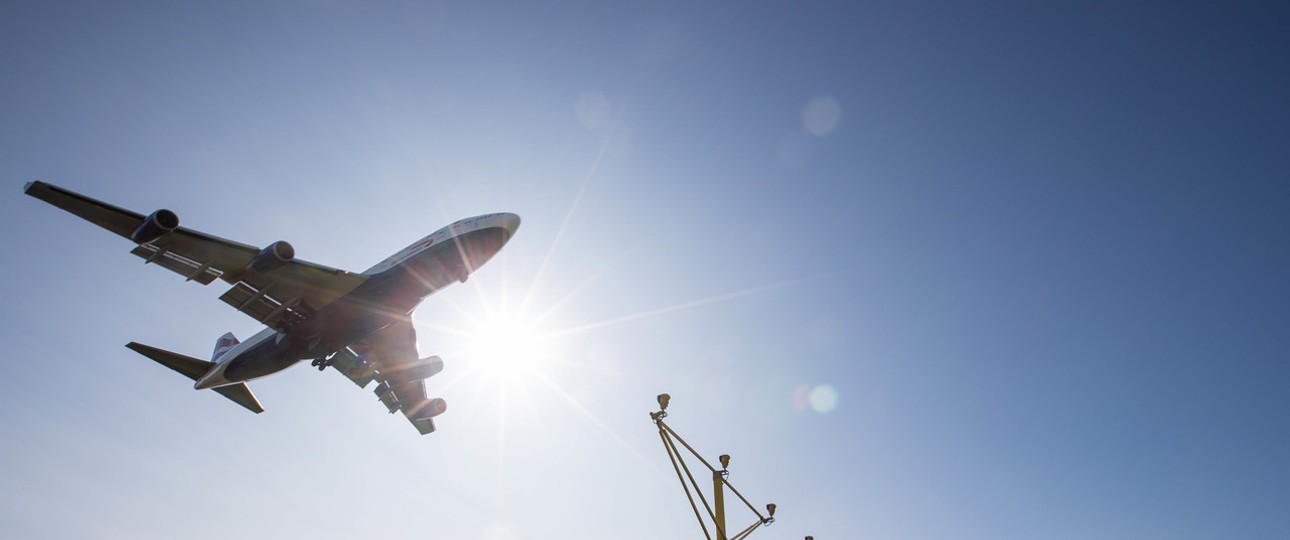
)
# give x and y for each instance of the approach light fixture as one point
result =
(663, 399)
(770, 508)
(725, 461)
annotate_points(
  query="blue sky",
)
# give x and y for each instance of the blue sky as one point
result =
(1037, 253)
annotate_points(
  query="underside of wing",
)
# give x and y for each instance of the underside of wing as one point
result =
(390, 358)
(269, 284)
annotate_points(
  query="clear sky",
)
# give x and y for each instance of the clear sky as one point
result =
(926, 270)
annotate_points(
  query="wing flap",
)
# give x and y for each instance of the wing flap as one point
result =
(179, 264)
(354, 367)
(263, 307)
(311, 286)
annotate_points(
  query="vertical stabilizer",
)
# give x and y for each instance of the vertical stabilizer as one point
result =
(223, 344)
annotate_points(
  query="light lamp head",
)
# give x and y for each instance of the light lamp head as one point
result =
(770, 508)
(663, 399)
(725, 461)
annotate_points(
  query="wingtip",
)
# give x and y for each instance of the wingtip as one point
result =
(27, 187)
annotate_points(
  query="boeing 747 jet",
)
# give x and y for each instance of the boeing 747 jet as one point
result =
(359, 323)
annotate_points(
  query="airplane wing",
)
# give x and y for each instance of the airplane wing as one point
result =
(390, 357)
(277, 297)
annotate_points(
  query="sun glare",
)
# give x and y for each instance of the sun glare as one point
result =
(506, 346)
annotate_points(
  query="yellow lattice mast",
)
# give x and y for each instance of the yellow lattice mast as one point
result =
(720, 483)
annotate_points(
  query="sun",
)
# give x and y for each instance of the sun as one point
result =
(507, 346)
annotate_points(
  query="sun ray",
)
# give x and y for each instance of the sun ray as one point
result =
(505, 285)
(454, 381)
(479, 289)
(460, 253)
(573, 402)
(461, 310)
(568, 217)
(531, 407)
(689, 305)
(445, 329)
(477, 393)
(501, 432)
(555, 306)
(594, 368)
(420, 278)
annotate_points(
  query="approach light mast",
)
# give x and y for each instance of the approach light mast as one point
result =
(720, 482)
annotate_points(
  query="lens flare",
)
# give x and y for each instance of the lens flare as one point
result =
(824, 399)
(821, 115)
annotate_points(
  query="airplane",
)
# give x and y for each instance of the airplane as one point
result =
(359, 323)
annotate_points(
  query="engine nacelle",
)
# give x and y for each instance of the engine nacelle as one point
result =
(156, 225)
(272, 257)
(421, 369)
(430, 409)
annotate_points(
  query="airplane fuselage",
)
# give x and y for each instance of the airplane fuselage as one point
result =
(393, 288)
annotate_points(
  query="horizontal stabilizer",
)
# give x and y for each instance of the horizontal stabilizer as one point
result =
(188, 366)
(194, 369)
(241, 395)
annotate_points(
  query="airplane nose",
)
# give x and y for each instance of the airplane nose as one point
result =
(510, 222)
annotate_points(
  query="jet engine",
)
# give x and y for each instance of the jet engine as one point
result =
(273, 256)
(432, 408)
(421, 369)
(155, 226)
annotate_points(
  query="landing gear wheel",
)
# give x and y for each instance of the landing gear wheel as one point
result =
(323, 362)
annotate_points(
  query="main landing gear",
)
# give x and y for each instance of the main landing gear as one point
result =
(323, 362)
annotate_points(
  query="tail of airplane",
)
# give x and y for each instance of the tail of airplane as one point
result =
(223, 344)
(194, 369)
